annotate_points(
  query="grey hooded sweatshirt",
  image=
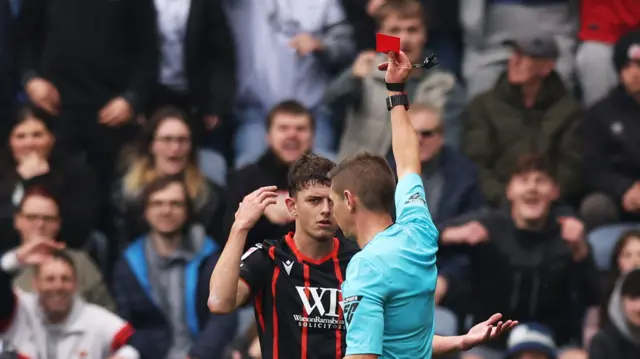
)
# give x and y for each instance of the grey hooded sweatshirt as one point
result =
(619, 339)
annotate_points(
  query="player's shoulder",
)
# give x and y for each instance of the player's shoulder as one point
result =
(371, 256)
(261, 249)
(348, 249)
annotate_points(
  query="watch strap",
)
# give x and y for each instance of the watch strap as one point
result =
(395, 86)
(397, 100)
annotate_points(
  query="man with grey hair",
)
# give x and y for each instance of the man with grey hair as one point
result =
(529, 110)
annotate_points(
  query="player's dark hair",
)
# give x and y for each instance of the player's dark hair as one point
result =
(532, 163)
(62, 256)
(404, 9)
(309, 170)
(369, 178)
(631, 285)
(290, 107)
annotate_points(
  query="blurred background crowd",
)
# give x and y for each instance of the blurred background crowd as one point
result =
(135, 127)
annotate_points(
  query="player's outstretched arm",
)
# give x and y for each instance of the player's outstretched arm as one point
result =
(404, 140)
(483, 332)
(226, 291)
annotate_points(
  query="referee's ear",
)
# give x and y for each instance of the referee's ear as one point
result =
(291, 206)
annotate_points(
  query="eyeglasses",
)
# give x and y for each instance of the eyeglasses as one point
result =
(170, 204)
(428, 133)
(32, 217)
(181, 140)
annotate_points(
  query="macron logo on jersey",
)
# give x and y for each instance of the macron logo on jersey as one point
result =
(287, 266)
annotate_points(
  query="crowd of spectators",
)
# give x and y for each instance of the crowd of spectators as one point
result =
(135, 127)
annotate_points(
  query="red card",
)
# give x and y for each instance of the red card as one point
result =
(386, 43)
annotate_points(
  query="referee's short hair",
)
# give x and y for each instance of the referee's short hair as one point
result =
(309, 170)
(369, 177)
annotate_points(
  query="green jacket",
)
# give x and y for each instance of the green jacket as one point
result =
(499, 129)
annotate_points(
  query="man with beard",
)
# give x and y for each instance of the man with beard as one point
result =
(303, 270)
(55, 322)
(527, 259)
(290, 134)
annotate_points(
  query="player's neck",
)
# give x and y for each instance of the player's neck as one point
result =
(370, 224)
(310, 247)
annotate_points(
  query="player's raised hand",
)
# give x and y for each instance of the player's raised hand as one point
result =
(488, 330)
(398, 67)
(253, 205)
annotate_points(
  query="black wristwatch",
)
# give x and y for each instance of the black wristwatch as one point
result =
(397, 100)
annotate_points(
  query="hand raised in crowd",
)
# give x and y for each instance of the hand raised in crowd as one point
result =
(364, 64)
(572, 231)
(279, 213)
(305, 44)
(490, 329)
(373, 6)
(211, 122)
(474, 233)
(253, 205)
(631, 198)
(32, 165)
(37, 250)
(470, 233)
(43, 95)
(398, 67)
(115, 113)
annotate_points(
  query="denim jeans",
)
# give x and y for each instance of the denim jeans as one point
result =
(250, 139)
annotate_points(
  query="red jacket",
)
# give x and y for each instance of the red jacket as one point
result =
(607, 20)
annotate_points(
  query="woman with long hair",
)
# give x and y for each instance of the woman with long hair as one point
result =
(32, 160)
(165, 148)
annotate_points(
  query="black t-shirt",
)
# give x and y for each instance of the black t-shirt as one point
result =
(297, 299)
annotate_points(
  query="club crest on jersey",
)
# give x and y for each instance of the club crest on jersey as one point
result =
(349, 306)
(416, 198)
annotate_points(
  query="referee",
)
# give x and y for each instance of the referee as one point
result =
(390, 284)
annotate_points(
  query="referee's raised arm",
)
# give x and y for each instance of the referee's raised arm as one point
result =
(404, 140)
